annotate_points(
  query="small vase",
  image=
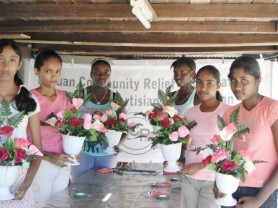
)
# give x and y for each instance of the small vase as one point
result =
(226, 184)
(8, 175)
(171, 154)
(72, 145)
(113, 139)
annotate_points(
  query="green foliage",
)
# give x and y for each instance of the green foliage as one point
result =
(165, 97)
(6, 116)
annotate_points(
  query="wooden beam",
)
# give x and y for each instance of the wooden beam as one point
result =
(135, 26)
(172, 12)
(154, 39)
(14, 36)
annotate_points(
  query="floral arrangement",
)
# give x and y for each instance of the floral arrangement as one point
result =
(14, 151)
(221, 155)
(73, 122)
(116, 119)
(171, 128)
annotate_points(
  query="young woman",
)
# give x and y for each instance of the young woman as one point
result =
(197, 181)
(260, 114)
(184, 76)
(53, 175)
(100, 102)
(13, 91)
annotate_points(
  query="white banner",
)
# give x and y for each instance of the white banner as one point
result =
(138, 81)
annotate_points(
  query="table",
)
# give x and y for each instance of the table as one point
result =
(126, 191)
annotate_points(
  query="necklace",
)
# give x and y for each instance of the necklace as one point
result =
(99, 101)
(185, 99)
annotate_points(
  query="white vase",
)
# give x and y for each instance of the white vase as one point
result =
(226, 184)
(72, 145)
(114, 138)
(171, 154)
(8, 175)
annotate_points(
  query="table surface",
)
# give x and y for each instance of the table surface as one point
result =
(127, 191)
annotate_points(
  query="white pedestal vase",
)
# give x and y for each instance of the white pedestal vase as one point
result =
(72, 145)
(171, 154)
(226, 184)
(114, 138)
(8, 175)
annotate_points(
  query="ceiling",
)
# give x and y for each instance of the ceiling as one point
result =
(108, 27)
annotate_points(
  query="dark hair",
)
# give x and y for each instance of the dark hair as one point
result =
(249, 64)
(185, 61)
(99, 61)
(45, 55)
(8, 42)
(23, 100)
(216, 74)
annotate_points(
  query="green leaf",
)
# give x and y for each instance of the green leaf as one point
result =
(221, 123)
(162, 96)
(234, 116)
(16, 119)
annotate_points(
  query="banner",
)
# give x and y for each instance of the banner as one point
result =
(139, 81)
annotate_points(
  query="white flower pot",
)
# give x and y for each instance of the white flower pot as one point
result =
(72, 145)
(226, 184)
(171, 154)
(113, 139)
(8, 175)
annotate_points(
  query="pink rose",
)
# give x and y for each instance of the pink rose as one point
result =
(60, 114)
(123, 116)
(228, 166)
(219, 155)
(174, 136)
(87, 117)
(228, 131)
(4, 154)
(215, 139)
(183, 131)
(6, 130)
(20, 155)
(245, 154)
(103, 118)
(33, 150)
(22, 143)
(97, 125)
(207, 160)
(77, 102)
(96, 117)
(161, 115)
(170, 110)
(109, 112)
(151, 136)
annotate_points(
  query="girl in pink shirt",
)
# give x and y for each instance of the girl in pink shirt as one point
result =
(260, 114)
(197, 181)
(53, 175)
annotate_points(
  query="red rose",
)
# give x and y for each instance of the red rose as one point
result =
(111, 122)
(228, 166)
(122, 120)
(3, 154)
(177, 118)
(6, 130)
(20, 155)
(59, 123)
(165, 123)
(207, 160)
(75, 121)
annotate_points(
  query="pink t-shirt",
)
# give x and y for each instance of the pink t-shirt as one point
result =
(201, 135)
(51, 138)
(259, 141)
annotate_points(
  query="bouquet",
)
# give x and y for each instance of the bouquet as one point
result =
(221, 155)
(14, 151)
(171, 127)
(116, 119)
(73, 122)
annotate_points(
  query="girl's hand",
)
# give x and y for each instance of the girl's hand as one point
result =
(248, 202)
(192, 168)
(217, 193)
(21, 191)
(60, 159)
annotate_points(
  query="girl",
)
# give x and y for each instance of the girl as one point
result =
(184, 76)
(197, 182)
(53, 175)
(260, 114)
(100, 102)
(13, 90)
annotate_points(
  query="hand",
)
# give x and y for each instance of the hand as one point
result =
(60, 159)
(248, 202)
(22, 190)
(217, 193)
(192, 168)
